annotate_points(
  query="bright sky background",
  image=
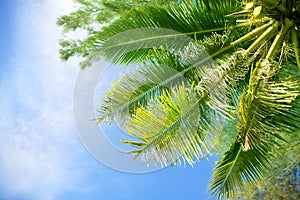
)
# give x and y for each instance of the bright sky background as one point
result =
(41, 156)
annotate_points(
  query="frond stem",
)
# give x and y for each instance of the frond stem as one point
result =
(251, 34)
(233, 164)
(279, 38)
(261, 38)
(295, 40)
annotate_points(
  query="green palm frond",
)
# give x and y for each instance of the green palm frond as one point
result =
(237, 165)
(193, 16)
(168, 129)
(266, 112)
(187, 17)
(164, 70)
(136, 44)
(136, 89)
(121, 42)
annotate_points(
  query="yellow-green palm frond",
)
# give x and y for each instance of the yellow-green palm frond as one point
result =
(168, 129)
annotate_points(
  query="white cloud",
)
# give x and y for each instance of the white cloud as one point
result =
(39, 149)
(32, 170)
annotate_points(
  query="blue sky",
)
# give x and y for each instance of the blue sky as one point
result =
(41, 155)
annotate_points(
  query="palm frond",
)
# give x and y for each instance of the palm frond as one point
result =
(149, 27)
(169, 129)
(136, 89)
(164, 70)
(136, 44)
(237, 165)
(266, 113)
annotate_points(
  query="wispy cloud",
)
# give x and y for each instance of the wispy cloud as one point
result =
(40, 154)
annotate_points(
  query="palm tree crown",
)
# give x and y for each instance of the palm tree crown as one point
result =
(181, 106)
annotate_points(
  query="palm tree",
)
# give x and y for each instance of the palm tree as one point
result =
(243, 105)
